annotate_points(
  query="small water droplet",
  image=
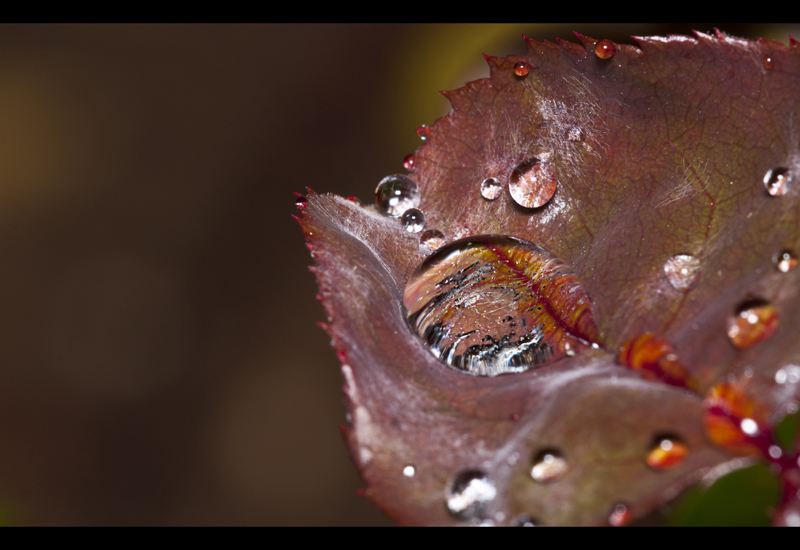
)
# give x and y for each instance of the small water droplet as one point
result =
(775, 451)
(754, 321)
(784, 261)
(575, 134)
(469, 493)
(432, 238)
(682, 271)
(769, 64)
(354, 199)
(620, 516)
(549, 466)
(301, 201)
(409, 470)
(410, 162)
(522, 68)
(491, 189)
(777, 181)
(396, 194)
(524, 521)
(423, 132)
(533, 183)
(413, 220)
(667, 452)
(605, 49)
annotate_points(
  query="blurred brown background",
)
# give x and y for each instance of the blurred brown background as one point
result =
(160, 359)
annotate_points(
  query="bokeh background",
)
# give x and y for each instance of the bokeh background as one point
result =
(159, 355)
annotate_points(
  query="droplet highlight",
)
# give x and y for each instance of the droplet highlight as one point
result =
(533, 183)
(491, 189)
(423, 132)
(410, 162)
(522, 68)
(492, 304)
(469, 494)
(777, 180)
(605, 49)
(620, 516)
(432, 238)
(409, 471)
(667, 452)
(784, 261)
(682, 271)
(753, 321)
(549, 466)
(413, 220)
(396, 194)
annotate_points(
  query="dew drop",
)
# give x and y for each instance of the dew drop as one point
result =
(491, 189)
(769, 64)
(533, 183)
(491, 304)
(409, 470)
(423, 132)
(432, 238)
(575, 134)
(784, 261)
(522, 68)
(754, 321)
(605, 49)
(549, 466)
(777, 180)
(667, 452)
(469, 493)
(396, 194)
(413, 220)
(524, 520)
(410, 162)
(682, 271)
(301, 201)
(620, 516)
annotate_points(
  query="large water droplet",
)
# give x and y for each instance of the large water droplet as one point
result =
(620, 516)
(777, 181)
(396, 194)
(533, 183)
(754, 321)
(605, 49)
(432, 238)
(682, 271)
(548, 466)
(469, 493)
(491, 304)
(491, 189)
(522, 68)
(413, 220)
(667, 452)
(784, 261)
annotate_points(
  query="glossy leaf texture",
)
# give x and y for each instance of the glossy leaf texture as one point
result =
(666, 158)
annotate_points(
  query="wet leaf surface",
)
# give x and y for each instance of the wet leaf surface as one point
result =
(657, 152)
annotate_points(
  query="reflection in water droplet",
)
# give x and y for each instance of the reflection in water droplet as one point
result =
(396, 194)
(753, 322)
(522, 68)
(575, 134)
(413, 220)
(490, 304)
(410, 162)
(524, 521)
(620, 516)
(491, 189)
(777, 180)
(667, 452)
(409, 470)
(469, 494)
(432, 239)
(682, 271)
(533, 183)
(605, 49)
(422, 132)
(549, 466)
(769, 64)
(784, 261)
